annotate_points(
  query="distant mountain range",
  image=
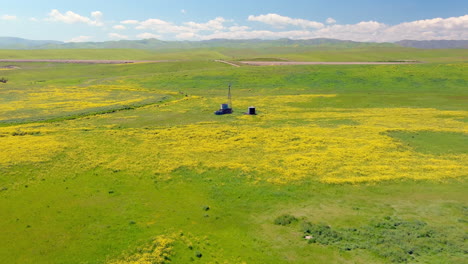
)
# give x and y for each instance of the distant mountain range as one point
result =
(434, 44)
(19, 43)
(155, 44)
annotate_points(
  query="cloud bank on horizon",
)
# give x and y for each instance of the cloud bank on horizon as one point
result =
(262, 26)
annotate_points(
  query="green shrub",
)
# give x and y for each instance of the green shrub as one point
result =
(285, 220)
(321, 233)
(24, 133)
(394, 239)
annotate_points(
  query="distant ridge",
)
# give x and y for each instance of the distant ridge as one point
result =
(155, 44)
(19, 43)
(434, 44)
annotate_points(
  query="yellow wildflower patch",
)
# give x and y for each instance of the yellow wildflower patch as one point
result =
(279, 152)
(280, 145)
(57, 101)
(28, 148)
(157, 252)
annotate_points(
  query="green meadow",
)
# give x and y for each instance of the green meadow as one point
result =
(128, 164)
(268, 53)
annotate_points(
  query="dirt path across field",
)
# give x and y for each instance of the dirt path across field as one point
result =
(85, 61)
(280, 63)
(254, 63)
(227, 62)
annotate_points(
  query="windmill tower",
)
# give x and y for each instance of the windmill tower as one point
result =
(226, 108)
(229, 97)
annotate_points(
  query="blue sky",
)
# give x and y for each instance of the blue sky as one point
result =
(362, 20)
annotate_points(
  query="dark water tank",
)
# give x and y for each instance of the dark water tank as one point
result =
(252, 110)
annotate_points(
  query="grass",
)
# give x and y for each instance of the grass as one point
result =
(442, 142)
(164, 178)
(265, 54)
(112, 54)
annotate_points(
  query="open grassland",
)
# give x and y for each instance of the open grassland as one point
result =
(112, 54)
(128, 164)
(375, 54)
(357, 54)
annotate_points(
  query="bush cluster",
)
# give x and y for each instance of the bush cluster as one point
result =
(397, 240)
(321, 233)
(24, 133)
(285, 219)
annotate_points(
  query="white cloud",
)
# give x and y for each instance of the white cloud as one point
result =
(8, 17)
(147, 35)
(160, 26)
(70, 17)
(187, 30)
(330, 20)
(215, 24)
(153, 23)
(282, 21)
(33, 19)
(97, 15)
(261, 34)
(117, 36)
(129, 22)
(183, 11)
(437, 28)
(187, 35)
(80, 39)
(362, 31)
(238, 28)
(119, 27)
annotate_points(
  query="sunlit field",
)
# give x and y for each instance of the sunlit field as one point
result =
(128, 164)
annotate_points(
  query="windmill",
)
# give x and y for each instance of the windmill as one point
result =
(229, 96)
(226, 108)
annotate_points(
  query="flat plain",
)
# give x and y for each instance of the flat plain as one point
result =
(126, 163)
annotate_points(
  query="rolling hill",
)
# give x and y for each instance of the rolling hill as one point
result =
(20, 43)
(155, 44)
(434, 44)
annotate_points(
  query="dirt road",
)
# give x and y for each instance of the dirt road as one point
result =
(227, 62)
(254, 63)
(280, 63)
(84, 61)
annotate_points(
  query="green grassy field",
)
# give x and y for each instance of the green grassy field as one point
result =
(128, 163)
(275, 53)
